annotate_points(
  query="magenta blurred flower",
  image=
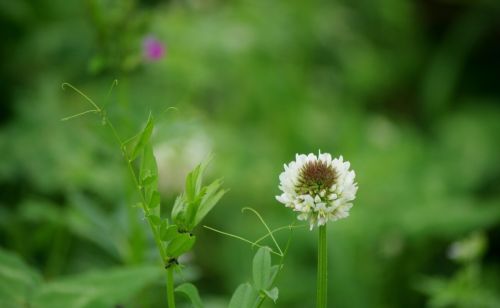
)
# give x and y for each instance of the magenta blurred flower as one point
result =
(153, 49)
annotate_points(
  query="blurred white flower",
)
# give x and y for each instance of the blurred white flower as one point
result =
(178, 156)
(468, 249)
(318, 187)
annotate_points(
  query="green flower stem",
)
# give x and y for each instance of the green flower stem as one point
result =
(322, 289)
(170, 287)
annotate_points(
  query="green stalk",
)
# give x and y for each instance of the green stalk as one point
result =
(322, 289)
(170, 287)
(155, 230)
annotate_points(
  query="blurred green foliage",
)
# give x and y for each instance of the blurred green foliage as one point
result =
(406, 91)
(467, 287)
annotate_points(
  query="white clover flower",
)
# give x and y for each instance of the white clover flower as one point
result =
(318, 187)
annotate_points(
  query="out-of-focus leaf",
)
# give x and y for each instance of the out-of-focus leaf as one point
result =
(17, 281)
(261, 268)
(245, 296)
(180, 244)
(98, 289)
(192, 292)
(88, 220)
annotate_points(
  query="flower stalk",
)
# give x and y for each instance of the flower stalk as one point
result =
(322, 284)
(320, 189)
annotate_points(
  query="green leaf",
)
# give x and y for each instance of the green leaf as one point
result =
(96, 289)
(195, 178)
(190, 212)
(155, 200)
(148, 180)
(87, 219)
(274, 271)
(210, 199)
(199, 179)
(191, 180)
(180, 244)
(156, 220)
(192, 293)
(244, 297)
(149, 170)
(178, 208)
(143, 138)
(148, 174)
(272, 294)
(261, 268)
(168, 233)
(17, 281)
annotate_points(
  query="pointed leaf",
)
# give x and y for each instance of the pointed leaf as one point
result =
(148, 175)
(203, 166)
(190, 212)
(155, 200)
(149, 167)
(191, 180)
(192, 293)
(194, 180)
(210, 199)
(244, 297)
(143, 138)
(178, 212)
(261, 268)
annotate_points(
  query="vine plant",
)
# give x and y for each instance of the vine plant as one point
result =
(174, 237)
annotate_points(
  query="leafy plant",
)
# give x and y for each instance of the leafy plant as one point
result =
(250, 295)
(467, 286)
(264, 273)
(173, 238)
(22, 286)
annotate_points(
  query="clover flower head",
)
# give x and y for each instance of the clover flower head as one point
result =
(319, 188)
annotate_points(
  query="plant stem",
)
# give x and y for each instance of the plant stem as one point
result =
(154, 230)
(170, 287)
(322, 269)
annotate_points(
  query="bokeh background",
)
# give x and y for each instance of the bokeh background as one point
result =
(407, 91)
